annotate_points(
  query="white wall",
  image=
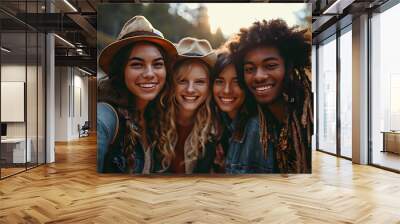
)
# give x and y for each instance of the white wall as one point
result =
(61, 103)
(33, 127)
(70, 84)
(13, 73)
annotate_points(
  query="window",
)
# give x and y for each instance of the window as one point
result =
(22, 65)
(314, 86)
(346, 92)
(385, 88)
(327, 95)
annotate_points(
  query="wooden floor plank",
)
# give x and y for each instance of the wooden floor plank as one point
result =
(70, 191)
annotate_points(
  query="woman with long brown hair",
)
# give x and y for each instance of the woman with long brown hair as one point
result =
(136, 65)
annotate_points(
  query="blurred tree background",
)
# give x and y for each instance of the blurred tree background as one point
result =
(174, 20)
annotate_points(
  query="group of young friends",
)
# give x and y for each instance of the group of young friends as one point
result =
(186, 108)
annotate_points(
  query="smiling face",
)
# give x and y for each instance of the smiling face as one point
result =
(264, 71)
(145, 71)
(227, 93)
(192, 86)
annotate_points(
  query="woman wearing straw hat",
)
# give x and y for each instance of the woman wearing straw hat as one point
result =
(137, 66)
(186, 137)
(238, 128)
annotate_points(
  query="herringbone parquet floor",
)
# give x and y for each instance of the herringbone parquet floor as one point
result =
(70, 191)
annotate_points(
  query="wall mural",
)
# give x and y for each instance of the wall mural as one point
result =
(189, 88)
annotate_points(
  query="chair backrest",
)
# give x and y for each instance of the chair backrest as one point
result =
(86, 125)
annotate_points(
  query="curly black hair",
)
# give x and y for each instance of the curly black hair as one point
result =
(294, 46)
(292, 43)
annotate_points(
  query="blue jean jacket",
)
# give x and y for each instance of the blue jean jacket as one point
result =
(246, 155)
(110, 132)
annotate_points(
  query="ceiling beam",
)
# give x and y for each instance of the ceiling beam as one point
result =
(84, 24)
(81, 61)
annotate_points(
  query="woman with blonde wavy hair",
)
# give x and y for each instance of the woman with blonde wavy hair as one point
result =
(185, 143)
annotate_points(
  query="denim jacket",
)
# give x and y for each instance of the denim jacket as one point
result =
(245, 155)
(110, 133)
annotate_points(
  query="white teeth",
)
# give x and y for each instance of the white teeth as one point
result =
(226, 100)
(191, 98)
(147, 85)
(263, 88)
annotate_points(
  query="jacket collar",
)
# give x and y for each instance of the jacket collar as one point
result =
(232, 127)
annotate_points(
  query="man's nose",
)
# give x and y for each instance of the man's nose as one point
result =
(261, 75)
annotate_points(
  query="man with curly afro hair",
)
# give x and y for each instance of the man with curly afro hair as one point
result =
(272, 60)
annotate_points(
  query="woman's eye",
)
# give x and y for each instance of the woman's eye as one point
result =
(201, 82)
(218, 82)
(235, 81)
(136, 65)
(159, 65)
(181, 81)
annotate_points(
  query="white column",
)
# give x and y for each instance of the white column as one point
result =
(50, 93)
(314, 90)
(360, 90)
(50, 100)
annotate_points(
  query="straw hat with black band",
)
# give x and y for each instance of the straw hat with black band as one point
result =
(138, 28)
(193, 48)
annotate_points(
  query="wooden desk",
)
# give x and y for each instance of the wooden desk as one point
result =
(13, 150)
(391, 141)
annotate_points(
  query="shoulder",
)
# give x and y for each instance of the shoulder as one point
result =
(106, 111)
(107, 115)
(253, 123)
(252, 128)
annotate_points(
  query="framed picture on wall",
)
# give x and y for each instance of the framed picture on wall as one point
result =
(189, 88)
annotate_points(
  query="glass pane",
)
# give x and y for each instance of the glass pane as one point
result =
(31, 97)
(13, 86)
(385, 85)
(313, 83)
(346, 94)
(41, 98)
(327, 96)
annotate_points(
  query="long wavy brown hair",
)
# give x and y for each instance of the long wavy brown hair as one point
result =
(203, 128)
(113, 90)
(247, 110)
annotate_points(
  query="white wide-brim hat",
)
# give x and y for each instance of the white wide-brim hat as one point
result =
(138, 28)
